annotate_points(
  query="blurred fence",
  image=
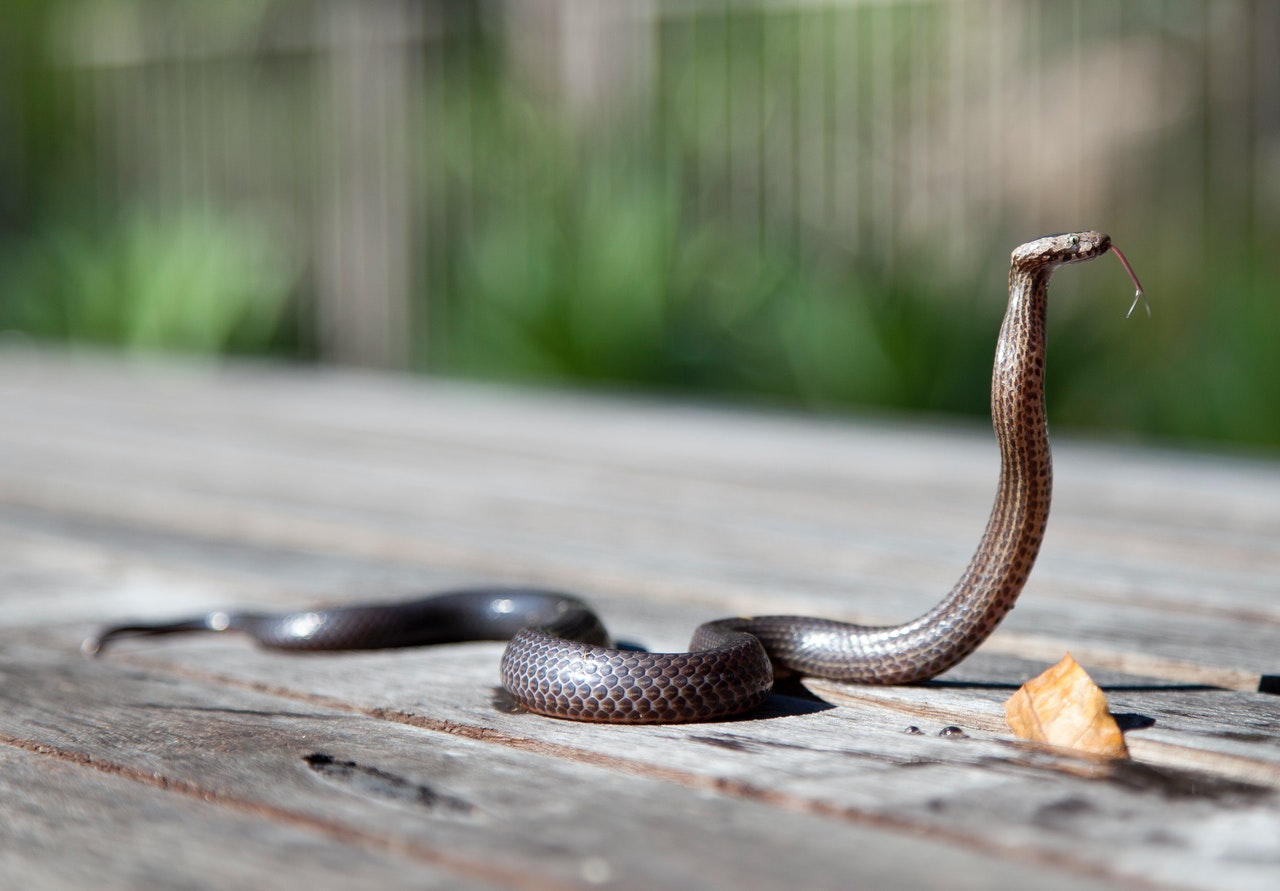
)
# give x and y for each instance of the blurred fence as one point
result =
(567, 174)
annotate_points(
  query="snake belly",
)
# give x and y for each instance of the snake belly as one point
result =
(558, 661)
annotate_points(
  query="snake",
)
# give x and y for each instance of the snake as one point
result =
(559, 660)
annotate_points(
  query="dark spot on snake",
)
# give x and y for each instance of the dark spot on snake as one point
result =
(1269, 683)
(952, 732)
(381, 784)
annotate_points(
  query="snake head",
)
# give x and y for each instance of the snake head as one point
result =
(1052, 251)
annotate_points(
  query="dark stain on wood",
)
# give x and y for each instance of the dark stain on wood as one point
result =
(383, 784)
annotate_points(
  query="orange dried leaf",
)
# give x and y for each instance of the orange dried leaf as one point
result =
(1064, 707)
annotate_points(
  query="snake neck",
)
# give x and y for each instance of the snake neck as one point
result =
(1003, 560)
(928, 645)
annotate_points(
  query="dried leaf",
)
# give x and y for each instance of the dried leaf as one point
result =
(1064, 707)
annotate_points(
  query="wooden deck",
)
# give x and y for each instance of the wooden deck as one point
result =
(134, 491)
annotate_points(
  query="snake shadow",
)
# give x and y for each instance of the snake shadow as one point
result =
(790, 698)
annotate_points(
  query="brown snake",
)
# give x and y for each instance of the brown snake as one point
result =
(558, 662)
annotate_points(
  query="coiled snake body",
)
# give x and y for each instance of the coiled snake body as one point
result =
(558, 661)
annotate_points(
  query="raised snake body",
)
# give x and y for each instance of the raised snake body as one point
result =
(558, 661)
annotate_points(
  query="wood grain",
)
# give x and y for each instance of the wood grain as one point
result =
(160, 490)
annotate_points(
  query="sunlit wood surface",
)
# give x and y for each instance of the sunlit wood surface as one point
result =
(158, 490)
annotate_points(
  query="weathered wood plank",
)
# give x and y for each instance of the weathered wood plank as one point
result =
(130, 494)
(510, 814)
(844, 762)
(66, 825)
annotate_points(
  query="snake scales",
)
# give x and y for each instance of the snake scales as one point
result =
(559, 663)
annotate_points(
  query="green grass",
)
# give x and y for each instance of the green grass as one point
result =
(190, 281)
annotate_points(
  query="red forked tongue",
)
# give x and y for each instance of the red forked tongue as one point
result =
(1138, 293)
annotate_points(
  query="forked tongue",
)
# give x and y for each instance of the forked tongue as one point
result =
(1138, 293)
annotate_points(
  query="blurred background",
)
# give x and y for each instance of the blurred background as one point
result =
(804, 203)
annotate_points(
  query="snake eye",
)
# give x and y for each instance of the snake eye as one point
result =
(1074, 240)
